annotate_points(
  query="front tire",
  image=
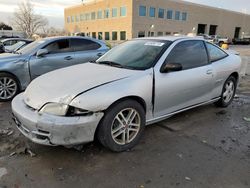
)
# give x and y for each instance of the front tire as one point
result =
(228, 92)
(122, 126)
(9, 87)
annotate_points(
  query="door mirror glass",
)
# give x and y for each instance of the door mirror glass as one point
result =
(171, 67)
(41, 52)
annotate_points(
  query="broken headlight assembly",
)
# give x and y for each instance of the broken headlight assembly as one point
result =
(55, 109)
(73, 111)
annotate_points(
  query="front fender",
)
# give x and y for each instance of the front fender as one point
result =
(100, 98)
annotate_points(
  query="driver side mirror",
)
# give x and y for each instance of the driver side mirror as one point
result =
(41, 52)
(171, 67)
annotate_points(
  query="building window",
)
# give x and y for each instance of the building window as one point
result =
(177, 15)
(168, 33)
(99, 14)
(184, 16)
(161, 13)
(114, 35)
(77, 18)
(170, 14)
(94, 35)
(72, 19)
(152, 12)
(123, 35)
(123, 11)
(92, 15)
(100, 35)
(142, 11)
(81, 17)
(160, 33)
(151, 34)
(68, 19)
(141, 34)
(87, 16)
(106, 13)
(114, 12)
(106, 36)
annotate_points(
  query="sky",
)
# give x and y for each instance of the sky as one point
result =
(54, 9)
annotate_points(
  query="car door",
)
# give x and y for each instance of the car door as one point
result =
(60, 54)
(192, 85)
(86, 50)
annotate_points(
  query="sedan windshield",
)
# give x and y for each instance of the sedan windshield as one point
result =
(136, 54)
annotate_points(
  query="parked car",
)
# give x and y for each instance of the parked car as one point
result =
(244, 41)
(137, 83)
(206, 37)
(17, 46)
(18, 69)
(11, 41)
(2, 50)
(220, 40)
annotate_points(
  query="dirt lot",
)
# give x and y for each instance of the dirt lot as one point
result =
(204, 147)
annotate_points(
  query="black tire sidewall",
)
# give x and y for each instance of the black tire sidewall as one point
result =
(104, 129)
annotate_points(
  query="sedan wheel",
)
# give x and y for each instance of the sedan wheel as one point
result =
(8, 87)
(122, 126)
(228, 92)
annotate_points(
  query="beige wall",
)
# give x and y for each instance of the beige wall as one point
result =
(101, 25)
(197, 14)
(133, 23)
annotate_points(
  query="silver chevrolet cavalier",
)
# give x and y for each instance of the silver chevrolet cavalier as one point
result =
(137, 83)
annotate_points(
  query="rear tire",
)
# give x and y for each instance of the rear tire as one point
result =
(228, 92)
(9, 87)
(122, 126)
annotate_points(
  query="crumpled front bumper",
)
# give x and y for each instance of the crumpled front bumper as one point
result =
(52, 130)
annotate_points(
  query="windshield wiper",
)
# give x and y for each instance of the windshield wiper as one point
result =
(111, 63)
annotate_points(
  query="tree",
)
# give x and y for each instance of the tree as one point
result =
(26, 20)
(4, 26)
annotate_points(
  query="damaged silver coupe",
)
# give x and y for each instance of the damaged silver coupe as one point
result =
(137, 83)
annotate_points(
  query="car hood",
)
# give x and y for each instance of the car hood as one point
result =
(63, 85)
(6, 57)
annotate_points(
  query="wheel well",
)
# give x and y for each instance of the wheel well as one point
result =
(18, 81)
(236, 76)
(136, 98)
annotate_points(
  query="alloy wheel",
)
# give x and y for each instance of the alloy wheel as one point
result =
(228, 91)
(8, 88)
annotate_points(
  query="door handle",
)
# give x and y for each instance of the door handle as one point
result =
(209, 71)
(68, 58)
(100, 54)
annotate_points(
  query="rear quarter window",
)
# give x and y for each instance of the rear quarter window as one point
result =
(215, 53)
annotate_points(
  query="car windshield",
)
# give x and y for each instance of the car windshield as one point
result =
(15, 46)
(136, 54)
(30, 47)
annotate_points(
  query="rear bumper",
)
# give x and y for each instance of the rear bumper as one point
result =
(52, 130)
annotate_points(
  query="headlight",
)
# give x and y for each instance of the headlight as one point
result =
(73, 111)
(55, 109)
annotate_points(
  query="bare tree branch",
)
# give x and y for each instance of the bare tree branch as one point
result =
(26, 20)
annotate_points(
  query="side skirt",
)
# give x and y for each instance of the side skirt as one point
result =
(154, 120)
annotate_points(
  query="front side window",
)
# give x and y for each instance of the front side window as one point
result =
(123, 11)
(215, 53)
(190, 54)
(152, 12)
(84, 45)
(60, 46)
(142, 11)
(136, 54)
(170, 14)
(161, 13)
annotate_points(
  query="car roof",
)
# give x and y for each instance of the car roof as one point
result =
(18, 39)
(173, 38)
(67, 37)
